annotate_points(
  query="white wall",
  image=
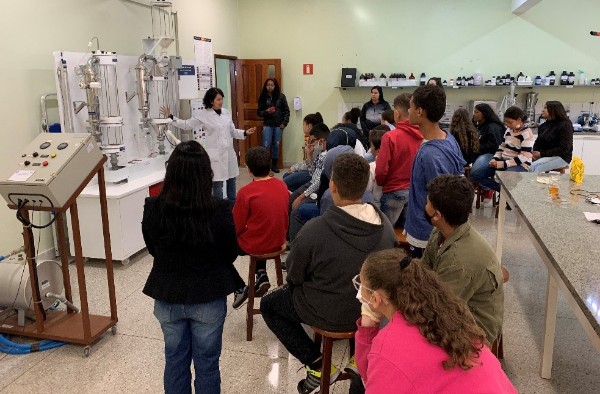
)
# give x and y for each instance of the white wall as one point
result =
(33, 29)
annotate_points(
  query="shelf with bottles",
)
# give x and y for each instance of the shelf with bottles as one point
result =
(401, 81)
(477, 87)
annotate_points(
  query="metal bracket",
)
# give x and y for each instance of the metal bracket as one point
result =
(78, 106)
(129, 96)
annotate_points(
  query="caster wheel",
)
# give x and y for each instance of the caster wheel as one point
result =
(113, 330)
(125, 262)
(87, 351)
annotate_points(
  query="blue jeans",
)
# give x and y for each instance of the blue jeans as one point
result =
(294, 180)
(392, 204)
(192, 332)
(482, 173)
(301, 215)
(544, 164)
(217, 190)
(272, 135)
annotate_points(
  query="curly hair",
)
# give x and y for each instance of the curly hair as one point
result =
(465, 132)
(416, 292)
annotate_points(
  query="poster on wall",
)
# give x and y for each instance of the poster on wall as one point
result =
(204, 63)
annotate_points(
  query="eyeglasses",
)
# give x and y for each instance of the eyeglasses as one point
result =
(358, 285)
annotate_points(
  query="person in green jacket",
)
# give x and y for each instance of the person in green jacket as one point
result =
(461, 257)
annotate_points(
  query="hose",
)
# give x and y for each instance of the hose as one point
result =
(10, 347)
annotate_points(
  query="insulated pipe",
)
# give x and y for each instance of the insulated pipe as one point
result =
(142, 88)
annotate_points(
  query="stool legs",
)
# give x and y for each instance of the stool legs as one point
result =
(250, 310)
(326, 366)
(250, 306)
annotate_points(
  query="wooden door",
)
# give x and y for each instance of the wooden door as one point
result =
(250, 75)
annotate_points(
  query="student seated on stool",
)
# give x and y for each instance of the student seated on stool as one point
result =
(325, 256)
(431, 343)
(261, 217)
(460, 256)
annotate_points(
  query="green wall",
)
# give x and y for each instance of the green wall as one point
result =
(445, 38)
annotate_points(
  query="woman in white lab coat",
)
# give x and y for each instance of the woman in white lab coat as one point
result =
(219, 131)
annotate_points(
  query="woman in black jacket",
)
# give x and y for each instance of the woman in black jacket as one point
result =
(191, 236)
(273, 108)
(370, 115)
(491, 134)
(553, 147)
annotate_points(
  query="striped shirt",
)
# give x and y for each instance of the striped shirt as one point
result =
(516, 149)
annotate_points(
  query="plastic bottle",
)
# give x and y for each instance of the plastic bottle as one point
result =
(571, 78)
(538, 80)
(423, 80)
(581, 77)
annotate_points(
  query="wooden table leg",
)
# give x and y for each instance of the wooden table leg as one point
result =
(501, 217)
(550, 327)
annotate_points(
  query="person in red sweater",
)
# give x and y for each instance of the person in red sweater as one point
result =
(394, 161)
(431, 343)
(261, 217)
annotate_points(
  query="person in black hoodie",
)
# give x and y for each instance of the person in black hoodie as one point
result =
(553, 147)
(274, 109)
(349, 121)
(370, 115)
(191, 236)
(491, 134)
(326, 255)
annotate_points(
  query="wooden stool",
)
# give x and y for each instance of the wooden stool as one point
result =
(251, 311)
(327, 338)
(497, 347)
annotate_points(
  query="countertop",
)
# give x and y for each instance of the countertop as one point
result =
(571, 243)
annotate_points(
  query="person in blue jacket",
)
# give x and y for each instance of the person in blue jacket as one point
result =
(439, 154)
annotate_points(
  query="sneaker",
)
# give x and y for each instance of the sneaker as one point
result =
(488, 195)
(351, 367)
(262, 284)
(239, 297)
(275, 170)
(312, 383)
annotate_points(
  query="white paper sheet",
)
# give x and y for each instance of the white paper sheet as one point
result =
(21, 175)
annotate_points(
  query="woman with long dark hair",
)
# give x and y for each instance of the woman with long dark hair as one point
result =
(219, 132)
(491, 130)
(463, 129)
(273, 108)
(431, 343)
(513, 154)
(191, 236)
(553, 147)
(370, 114)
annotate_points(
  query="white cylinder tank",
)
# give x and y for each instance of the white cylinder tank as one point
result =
(15, 283)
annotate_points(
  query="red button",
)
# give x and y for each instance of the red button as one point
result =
(44, 163)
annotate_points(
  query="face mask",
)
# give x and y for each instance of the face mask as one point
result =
(359, 297)
(427, 217)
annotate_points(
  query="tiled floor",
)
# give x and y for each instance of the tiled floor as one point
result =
(132, 361)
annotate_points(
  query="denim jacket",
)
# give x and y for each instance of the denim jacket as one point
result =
(468, 265)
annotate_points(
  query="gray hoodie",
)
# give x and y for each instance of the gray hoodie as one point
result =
(326, 255)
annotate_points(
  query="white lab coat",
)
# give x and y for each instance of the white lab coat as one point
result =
(220, 133)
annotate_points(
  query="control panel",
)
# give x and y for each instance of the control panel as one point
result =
(49, 170)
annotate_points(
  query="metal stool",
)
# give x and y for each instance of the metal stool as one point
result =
(251, 311)
(327, 338)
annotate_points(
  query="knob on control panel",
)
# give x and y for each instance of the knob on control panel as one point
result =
(27, 162)
(35, 154)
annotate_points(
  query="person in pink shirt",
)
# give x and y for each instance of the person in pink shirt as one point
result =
(431, 343)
